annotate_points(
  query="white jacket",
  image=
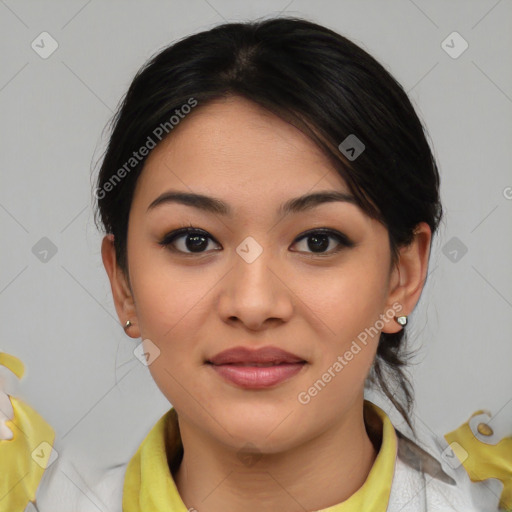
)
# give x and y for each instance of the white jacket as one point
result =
(66, 488)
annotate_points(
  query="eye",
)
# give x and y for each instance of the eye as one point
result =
(318, 241)
(194, 240)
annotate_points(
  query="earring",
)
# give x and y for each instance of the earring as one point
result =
(127, 324)
(402, 320)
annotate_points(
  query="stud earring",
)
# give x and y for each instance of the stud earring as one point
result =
(402, 320)
(127, 324)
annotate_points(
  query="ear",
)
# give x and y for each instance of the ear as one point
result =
(121, 291)
(408, 276)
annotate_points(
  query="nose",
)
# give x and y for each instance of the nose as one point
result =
(255, 292)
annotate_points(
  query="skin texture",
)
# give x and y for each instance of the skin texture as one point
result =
(192, 306)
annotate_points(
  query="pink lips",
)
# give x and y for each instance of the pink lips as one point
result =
(256, 369)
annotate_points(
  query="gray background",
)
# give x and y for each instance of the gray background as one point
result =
(56, 311)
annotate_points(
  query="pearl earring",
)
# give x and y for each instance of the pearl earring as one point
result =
(402, 320)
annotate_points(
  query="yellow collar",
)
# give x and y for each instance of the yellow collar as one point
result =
(149, 485)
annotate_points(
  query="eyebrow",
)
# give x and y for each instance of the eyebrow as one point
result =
(214, 205)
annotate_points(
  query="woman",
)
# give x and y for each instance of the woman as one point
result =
(269, 200)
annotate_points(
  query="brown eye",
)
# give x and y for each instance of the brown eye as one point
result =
(318, 241)
(187, 241)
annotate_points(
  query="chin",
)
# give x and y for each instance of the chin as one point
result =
(270, 427)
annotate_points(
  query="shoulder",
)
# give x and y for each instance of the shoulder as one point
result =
(68, 484)
(38, 474)
(429, 477)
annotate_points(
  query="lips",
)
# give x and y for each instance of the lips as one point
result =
(256, 369)
(266, 356)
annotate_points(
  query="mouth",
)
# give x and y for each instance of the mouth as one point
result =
(265, 356)
(254, 364)
(257, 377)
(261, 368)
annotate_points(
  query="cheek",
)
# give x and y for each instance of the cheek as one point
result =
(171, 305)
(350, 298)
(349, 304)
(169, 297)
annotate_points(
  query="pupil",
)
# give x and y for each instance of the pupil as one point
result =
(322, 240)
(194, 242)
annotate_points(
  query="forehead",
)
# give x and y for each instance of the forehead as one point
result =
(232, 146)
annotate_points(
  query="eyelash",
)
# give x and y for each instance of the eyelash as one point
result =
(171, 237)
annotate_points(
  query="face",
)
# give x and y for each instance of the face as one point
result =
(310, 281)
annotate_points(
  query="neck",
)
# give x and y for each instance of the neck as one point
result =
(324, 471)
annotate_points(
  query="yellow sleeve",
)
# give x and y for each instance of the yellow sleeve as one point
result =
(24, 457)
